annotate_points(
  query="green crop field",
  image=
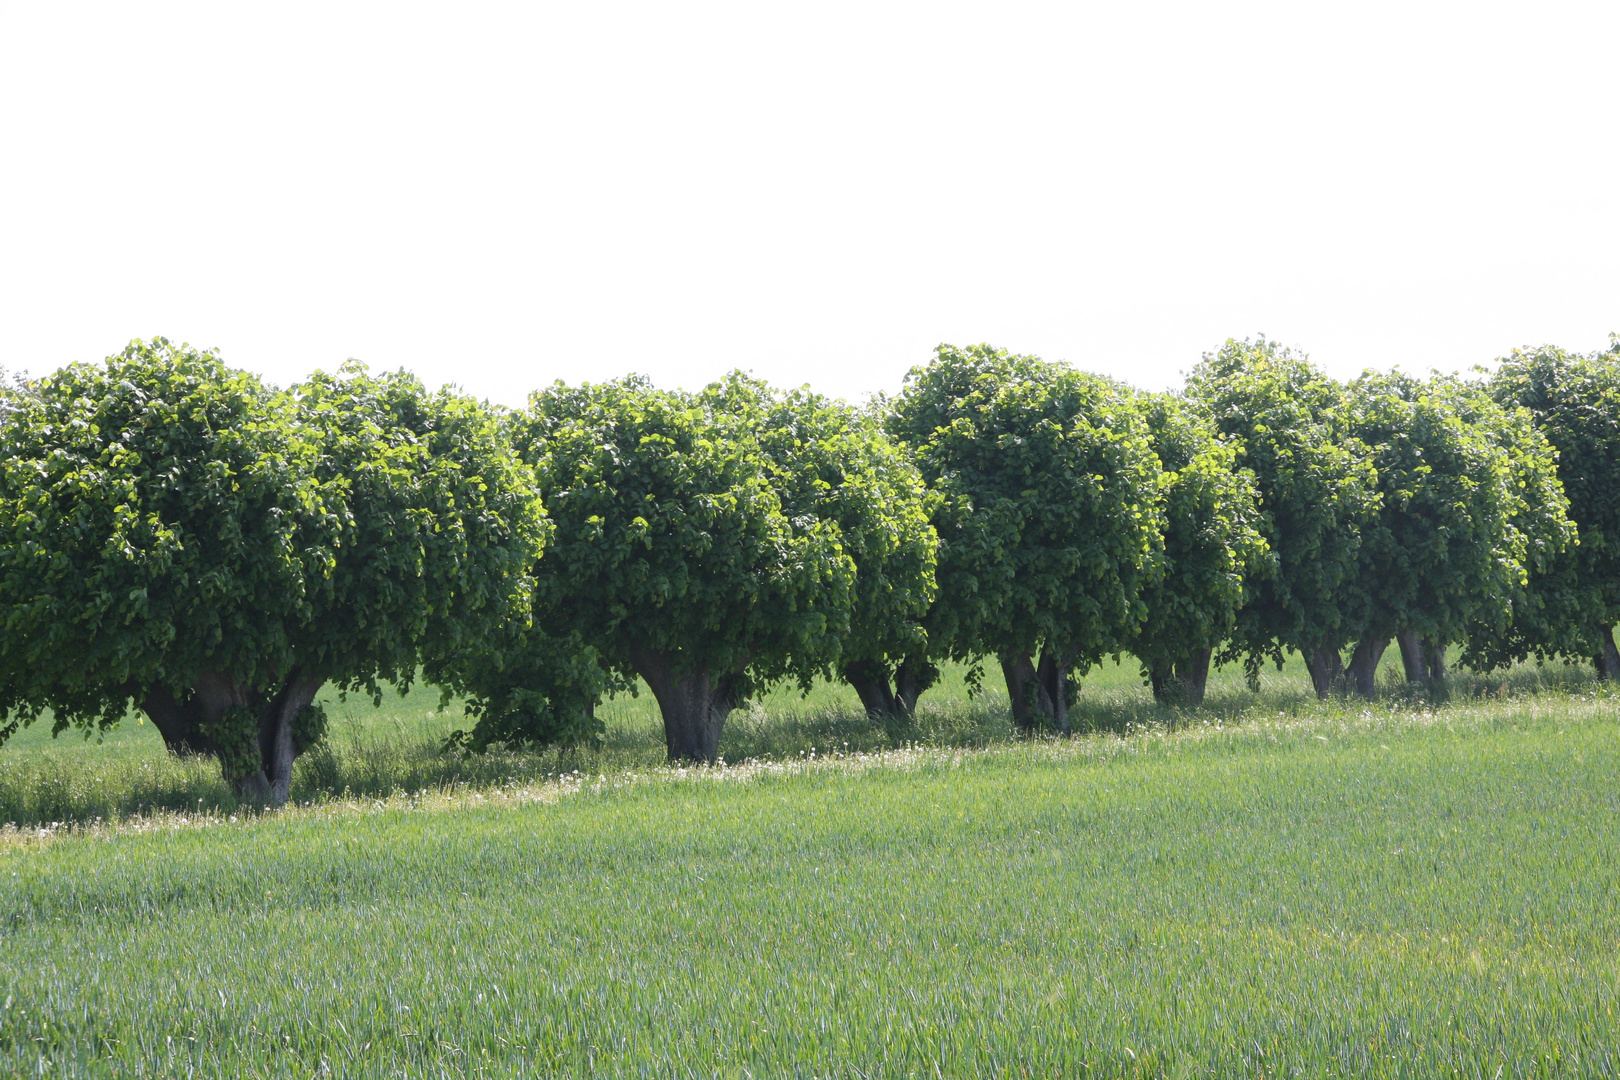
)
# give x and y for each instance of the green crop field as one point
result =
(1272, 887)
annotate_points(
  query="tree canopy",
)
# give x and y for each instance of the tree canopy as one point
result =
(1213, 551)
(835, 464)
(1459, 481)
(176, 534)
(1049, 514)
(1573, 601)
(1318, 490)
(674, 557)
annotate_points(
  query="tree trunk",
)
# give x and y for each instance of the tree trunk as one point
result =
(278, 746)
(198, 725)
(1363, 670)
(1192, 672)
(1182, 683)
(180, 723)
(1166, 690)
(1608, 657)
(1024, 691)
(871, 681)
(693, 702)
(911, 678)
(1326, 668)
(1053, 675)
(1414, 658)
(1435, 653)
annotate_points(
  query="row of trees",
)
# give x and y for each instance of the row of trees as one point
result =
(177, 535)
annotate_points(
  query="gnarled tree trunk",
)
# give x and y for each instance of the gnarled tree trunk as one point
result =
(1027, 690)
(277, 745)
(1423, 659)
(1024, 691)
(1326, 668)
(1608, 657)
(1363, 670)
(693, 701)
(870, 678)
(258, 761)
(911, 678)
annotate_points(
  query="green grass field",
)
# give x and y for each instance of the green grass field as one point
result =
(1274, 887)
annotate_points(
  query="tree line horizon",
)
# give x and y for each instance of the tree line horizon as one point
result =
(180, 537)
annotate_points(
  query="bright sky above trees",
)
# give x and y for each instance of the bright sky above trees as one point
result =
(503, 194)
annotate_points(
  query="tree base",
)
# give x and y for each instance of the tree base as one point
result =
(1326, 668)
(1362, 673)
(694, 703)
(1037, 694)
(1608, 657)
(1422, 659)
(1182, 683)
(255, 740)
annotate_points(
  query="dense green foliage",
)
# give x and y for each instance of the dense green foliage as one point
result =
(1574, 601)
(175, 534)
(1357, 896)
(674, 558)
(835, 464)
(1049, 513)
(1214, 553)
(1469, 502)
(1318, 493)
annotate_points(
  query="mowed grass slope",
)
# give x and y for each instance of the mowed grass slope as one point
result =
(1384, 893)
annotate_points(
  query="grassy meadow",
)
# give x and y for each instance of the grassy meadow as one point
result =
(1269, 887)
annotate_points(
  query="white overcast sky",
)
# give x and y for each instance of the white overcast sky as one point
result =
(500, 195)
